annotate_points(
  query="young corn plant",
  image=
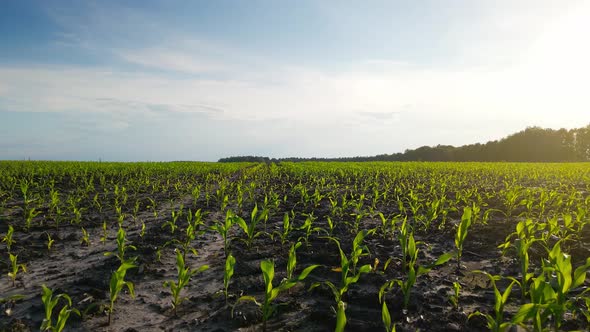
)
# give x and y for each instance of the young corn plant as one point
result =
(8, 238)
(358, 249)
(196, 193)
(224, 203)
(116, 285)
(105, 233)
(58, 217)
(511, 195)
(496, 321)
(358, 217)
(49, 302)
(308, 228)
(239, 197)
(271, 292)
(228, 272)
(122, 247)
(432, 211)
(75, 210)
(413, 271)
(386, 318)
(30, 213)
(85, 240)
(172, 223)
(184, 275)
(461, 234)
(54, 202)
(334, 208)
(525, 238)
(287, 228)
(191, 232)
(224, 228)
(95, 201)
(404, 236)
(540, 309)
(135, 211)
(563, 278)
(143, 229)
(345, 282)
(153, 206)
(292, 260)
(250, 229)
(14, 268)
(331, 226)
(454, 298)
(50, 241)
(387, 225)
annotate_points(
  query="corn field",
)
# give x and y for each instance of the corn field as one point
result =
(311, 246)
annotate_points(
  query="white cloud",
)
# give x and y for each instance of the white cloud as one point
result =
(311, 95)
(172, 60)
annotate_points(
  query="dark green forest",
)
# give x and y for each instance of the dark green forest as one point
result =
(534, 144)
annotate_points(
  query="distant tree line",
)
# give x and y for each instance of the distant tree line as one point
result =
(534, 144)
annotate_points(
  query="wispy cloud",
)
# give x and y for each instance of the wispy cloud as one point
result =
(379, 115)
(307, 93)
(173, 61)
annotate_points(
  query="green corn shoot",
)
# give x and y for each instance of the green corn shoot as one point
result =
(228, 272)
(292, 260)
(15, 267)
(287, 228)
(105, 234)
(85, 240)
(96, 203)
(49, 302)
(184, 275)
(413, 272)
(404, 234)
(250, 229)
(496, 321)
(331, 226)
(308, 228)
(50, 241)
(525, 233)
(454, 299)
(224, 228)
(461, 233)
(190, 234)
(358, 249)
(345, 282)
(143, 229)
(116, 285)
(8, 238)
(271, 292)
(196, 193)
(172, 223)
(563, 278)
(386, 318)
(340, 316)
(153, 207)
(122, 246)
(30, 214)
(541, 307)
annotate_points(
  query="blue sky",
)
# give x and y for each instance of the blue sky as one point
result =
(200, 80)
